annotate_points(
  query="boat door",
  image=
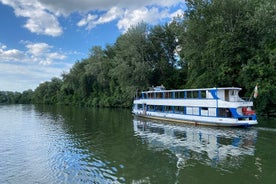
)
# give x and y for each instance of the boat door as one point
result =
(226, 95)
(144, 109)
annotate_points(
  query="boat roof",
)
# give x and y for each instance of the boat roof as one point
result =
(196, 89)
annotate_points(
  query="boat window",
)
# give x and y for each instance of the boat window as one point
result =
(140, 106)
(150, 107)
(168, 108)
(226, 95)
(151, 95)
(159, 108)
(203, 94)
(189, 94)
(146, 95)
(195, 94)
(224, 112)
(212, 111)
(192, 110)
(177, 95)
(189, 110)
(179, 109)
(182, 94)
(168, 95)
(159, 95)
(204, 111)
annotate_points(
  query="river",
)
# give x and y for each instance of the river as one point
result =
(52, 144)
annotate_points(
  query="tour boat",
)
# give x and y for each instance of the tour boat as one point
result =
(205, 106)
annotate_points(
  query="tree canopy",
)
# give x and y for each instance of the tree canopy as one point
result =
(223, 43)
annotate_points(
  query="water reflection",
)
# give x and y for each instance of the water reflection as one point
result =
(78, 144)
(52, 144)
(221, 148)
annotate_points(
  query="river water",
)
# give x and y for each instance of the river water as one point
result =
(49, 144)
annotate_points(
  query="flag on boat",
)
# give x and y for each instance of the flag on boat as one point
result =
(256, 91)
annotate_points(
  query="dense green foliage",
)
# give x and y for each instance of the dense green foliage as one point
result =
(8, 97)
(232, 43)
(224, 43)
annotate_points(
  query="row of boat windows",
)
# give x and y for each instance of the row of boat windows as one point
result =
(202, 111)
(176, 94)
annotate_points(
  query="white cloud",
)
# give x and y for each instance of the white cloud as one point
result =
(10, 55)
(127, 18)
(110, 15)
(43, 23)
(25, 69)
(7, 55)
(102, 5)
(151, 16)
(39, 19)
(91, 21)
(87, 20)
(55, 55)
(35, 52)
(41, 52)
(37, 49)
(14, 77)
(42, 15)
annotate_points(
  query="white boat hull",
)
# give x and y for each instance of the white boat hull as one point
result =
(197, 120)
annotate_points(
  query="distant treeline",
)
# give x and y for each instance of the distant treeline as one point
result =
(216, 43)
(9, 97)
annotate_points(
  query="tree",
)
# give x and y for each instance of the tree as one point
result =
(26, 97)
(47, 92)
(224, 43)
(231, 43)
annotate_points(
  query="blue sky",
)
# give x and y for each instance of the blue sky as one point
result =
(41, 39)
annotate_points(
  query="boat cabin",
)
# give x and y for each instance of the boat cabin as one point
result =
(225, 94)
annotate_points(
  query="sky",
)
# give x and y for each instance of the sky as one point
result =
(41, 39)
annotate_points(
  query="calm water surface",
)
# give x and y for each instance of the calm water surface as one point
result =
(79, 145)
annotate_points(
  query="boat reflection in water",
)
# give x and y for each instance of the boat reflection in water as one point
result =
(223, 148)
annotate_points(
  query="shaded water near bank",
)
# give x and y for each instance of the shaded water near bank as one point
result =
(49, 144)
